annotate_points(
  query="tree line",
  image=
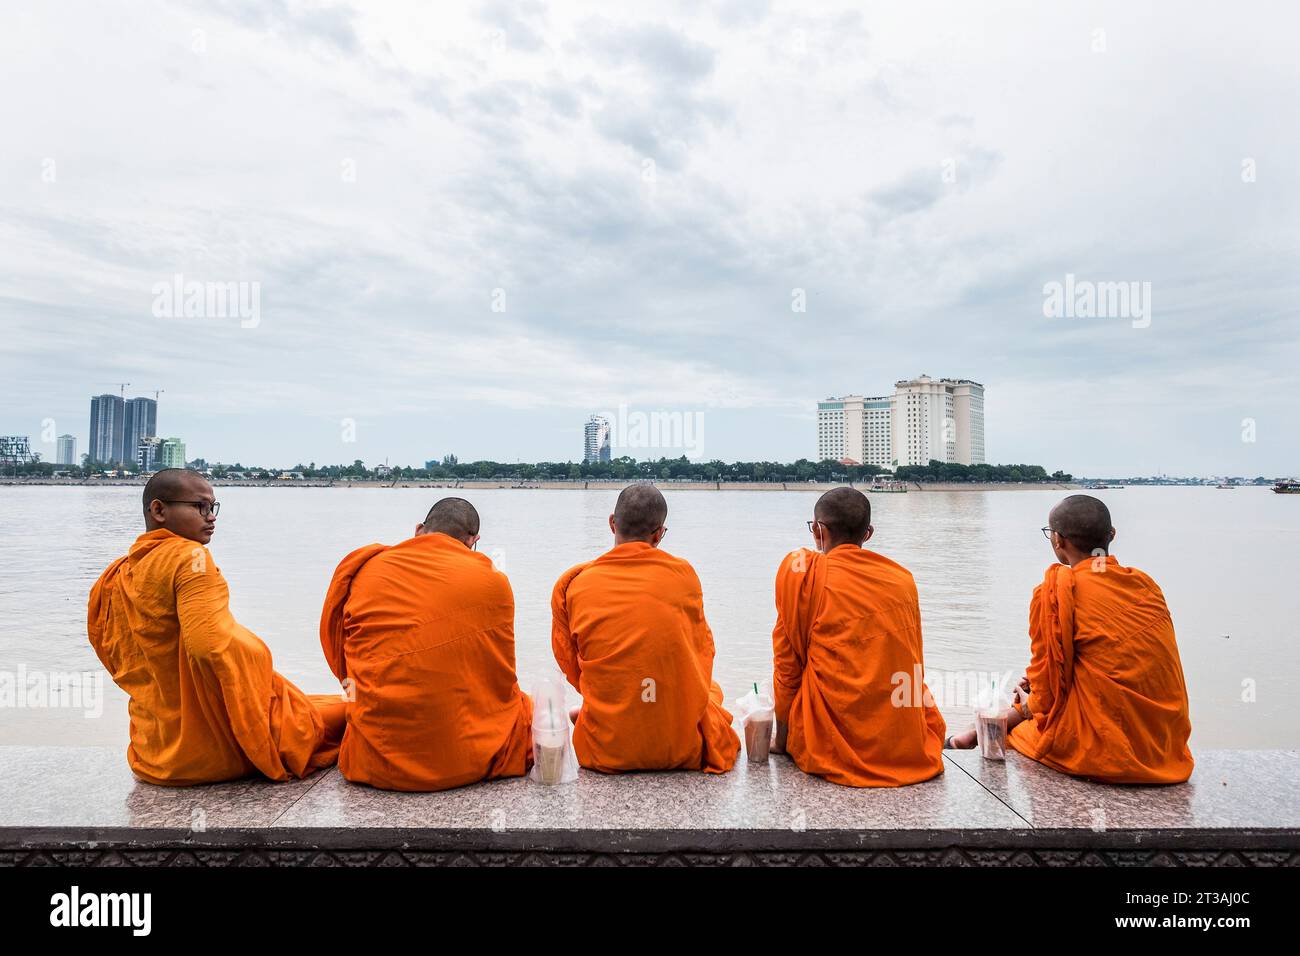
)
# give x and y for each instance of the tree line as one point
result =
(618, 469)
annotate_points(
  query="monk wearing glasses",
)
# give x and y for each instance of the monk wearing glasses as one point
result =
(1104, 696)
(206, 704)
(851, 701)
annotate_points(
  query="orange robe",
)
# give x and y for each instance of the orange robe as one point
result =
(422, 634)
(205, 704)
(848, 670)
(1106, 689)
(628, 630)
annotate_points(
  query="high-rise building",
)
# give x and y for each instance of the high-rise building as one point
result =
(924, 420)
(968, 411)
(595, 446)
(107, 424)
(66, 450)
(149, 453)
(171, 454)
(141, 421)
(924, 429)
(855, 429)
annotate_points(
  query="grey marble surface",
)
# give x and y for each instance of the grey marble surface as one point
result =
(774, 796)
(1234, 789)
(91, 788)
(86, 787)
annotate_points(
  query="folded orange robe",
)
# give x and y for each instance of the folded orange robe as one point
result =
(422, 634)
(1106, 687)
(628, 631)
(847, 652)
(205, 704)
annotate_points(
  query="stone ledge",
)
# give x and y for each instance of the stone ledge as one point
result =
(81, 806)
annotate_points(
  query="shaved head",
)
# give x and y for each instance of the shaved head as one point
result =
(846, 512)
(1084, 520)
(640, 511)
(172, 484)
(453, 516)
(175, 499)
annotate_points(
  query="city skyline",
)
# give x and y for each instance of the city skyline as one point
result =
(466, 230)
(599, 434)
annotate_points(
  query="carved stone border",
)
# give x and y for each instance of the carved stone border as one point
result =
(950, 856)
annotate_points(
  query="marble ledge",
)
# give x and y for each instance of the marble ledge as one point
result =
(76, 797)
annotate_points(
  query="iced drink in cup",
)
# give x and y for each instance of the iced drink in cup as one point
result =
(553, 758)
(756, 715)
(991, 731)
(551, 747)
(758, 737)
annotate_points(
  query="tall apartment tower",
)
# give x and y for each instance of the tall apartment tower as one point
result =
(924, 420)
(66, 450)
(854, 428)
(107, 427)
(968, 410)
(938, 420)
(141, 421)
(595, 445)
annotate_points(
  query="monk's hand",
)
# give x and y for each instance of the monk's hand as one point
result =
(1020, 702)
(1024, 685)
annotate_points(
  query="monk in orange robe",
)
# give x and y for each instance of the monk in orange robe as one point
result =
(422, 635)
(851, 702)
(1104, 696)
(206, 704)
(629, 632)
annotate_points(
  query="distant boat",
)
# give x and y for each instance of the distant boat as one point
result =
(888, 487)
(1226, 485)
(1287, 487)
(1106, 487)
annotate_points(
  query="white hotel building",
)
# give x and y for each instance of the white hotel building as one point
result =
(925, 419)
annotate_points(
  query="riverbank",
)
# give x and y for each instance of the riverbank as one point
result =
(579, 484)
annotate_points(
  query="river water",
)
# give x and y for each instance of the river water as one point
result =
(1224, 560)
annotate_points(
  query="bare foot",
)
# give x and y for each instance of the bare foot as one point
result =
(963, 741)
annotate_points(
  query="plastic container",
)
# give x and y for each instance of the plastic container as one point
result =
(554, 761)
(757, 716)
(991, 726)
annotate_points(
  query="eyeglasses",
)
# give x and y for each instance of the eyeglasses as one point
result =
(1049, 531)
(205, 508)
(822, 523)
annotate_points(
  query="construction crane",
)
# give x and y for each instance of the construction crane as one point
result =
(156, 393)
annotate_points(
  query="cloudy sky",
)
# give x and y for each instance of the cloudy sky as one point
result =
(471, 225)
